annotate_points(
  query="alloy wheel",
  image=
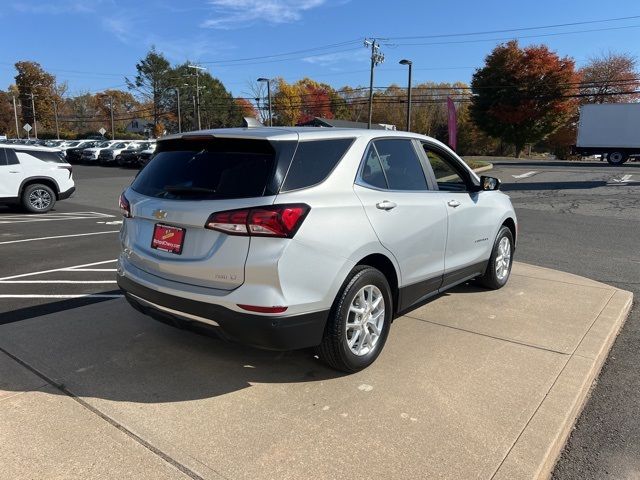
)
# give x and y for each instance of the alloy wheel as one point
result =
(365, 320)
(503, 259)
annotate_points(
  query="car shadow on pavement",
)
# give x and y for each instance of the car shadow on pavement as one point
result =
(109, 351)
(584, 185)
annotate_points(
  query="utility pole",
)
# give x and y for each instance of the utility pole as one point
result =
(35, 122)
(179, 117)
(197, 68)
(377, 57)
(55, 112)
(113, 132)
(193, 97)
(15, 114)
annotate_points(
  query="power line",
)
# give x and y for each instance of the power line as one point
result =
(541, 35)
(520, 29)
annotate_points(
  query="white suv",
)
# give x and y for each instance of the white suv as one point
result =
(35, 177)
(310, 237)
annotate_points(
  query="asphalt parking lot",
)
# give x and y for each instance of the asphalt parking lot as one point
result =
(579, 218)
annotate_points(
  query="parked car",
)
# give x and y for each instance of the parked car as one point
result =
(145, 156)
(90, 155)
(130, 156)
(292, 238)
(34, 177)
(108, 155)
(74, 154)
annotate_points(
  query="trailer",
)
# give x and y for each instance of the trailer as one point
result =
(611, 130)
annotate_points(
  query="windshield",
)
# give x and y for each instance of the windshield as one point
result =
(215, 169)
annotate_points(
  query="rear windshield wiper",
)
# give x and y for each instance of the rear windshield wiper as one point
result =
(184, 189)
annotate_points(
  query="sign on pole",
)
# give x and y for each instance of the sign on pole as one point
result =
(102, 131)
(27, 127)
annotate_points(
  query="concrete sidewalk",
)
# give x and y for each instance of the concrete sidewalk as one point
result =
(475, 384)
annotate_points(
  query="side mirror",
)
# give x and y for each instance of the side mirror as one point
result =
(489, 183)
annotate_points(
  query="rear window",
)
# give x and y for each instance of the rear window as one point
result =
(208, 169)
(49, 157)
(313, 162)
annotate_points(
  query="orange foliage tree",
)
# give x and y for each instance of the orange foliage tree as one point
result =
(522, 95)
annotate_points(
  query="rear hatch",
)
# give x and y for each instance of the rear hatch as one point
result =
(174, 195)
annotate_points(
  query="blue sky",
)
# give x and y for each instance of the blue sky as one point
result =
(92, 44)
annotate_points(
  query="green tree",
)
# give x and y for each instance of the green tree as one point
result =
(523, 95)
(155, 76)
(217, 106)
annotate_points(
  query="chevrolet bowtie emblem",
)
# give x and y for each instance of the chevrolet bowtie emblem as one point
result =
(160, 214)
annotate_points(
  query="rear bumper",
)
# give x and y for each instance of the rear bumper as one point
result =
(66, 194)
(263, 331)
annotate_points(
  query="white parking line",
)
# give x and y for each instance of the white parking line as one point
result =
(88, 270)
(55, 281)
(85, 295)
(525, 175)
(58, 236)
(622, 180)
(52, 217)
(73, 268)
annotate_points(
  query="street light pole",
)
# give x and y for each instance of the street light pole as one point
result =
(377, 58)
(15, 114)
(35, 122)
(261, 79)
(410, 64)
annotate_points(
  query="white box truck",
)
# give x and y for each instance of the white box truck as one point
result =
(610, 129)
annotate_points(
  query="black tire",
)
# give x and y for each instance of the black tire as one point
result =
(43, 192)
(490, 279)
(334, 349)
(617, 158)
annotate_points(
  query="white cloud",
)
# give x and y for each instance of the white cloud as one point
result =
(63, 6)
(120, 27)
(328, 59)
(243, 13)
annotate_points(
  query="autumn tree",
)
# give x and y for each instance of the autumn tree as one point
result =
(522, 95)
(33, 79)
(610, 78)
(125, 108)
(286, 101)
(153, 79)
(246, 108)
(7, 121)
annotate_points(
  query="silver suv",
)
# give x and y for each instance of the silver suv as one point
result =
(287, 238)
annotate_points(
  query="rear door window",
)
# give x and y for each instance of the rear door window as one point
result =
(401, 165)
(208, 169)
(314, 161)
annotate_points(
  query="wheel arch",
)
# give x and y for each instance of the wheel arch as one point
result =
(383, 263)
(512, 226)
(48, 181)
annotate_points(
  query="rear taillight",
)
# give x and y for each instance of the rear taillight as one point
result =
(125, 207)
(270, 221)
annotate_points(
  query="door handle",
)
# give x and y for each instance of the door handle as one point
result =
(453, 203)
(13, 171)
(386, 205)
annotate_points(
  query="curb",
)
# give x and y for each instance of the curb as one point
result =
(483, 169)
(535, 452)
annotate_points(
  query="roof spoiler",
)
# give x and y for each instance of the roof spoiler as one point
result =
(251, 122)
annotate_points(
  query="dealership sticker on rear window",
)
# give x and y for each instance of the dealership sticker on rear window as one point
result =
(168, 239)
